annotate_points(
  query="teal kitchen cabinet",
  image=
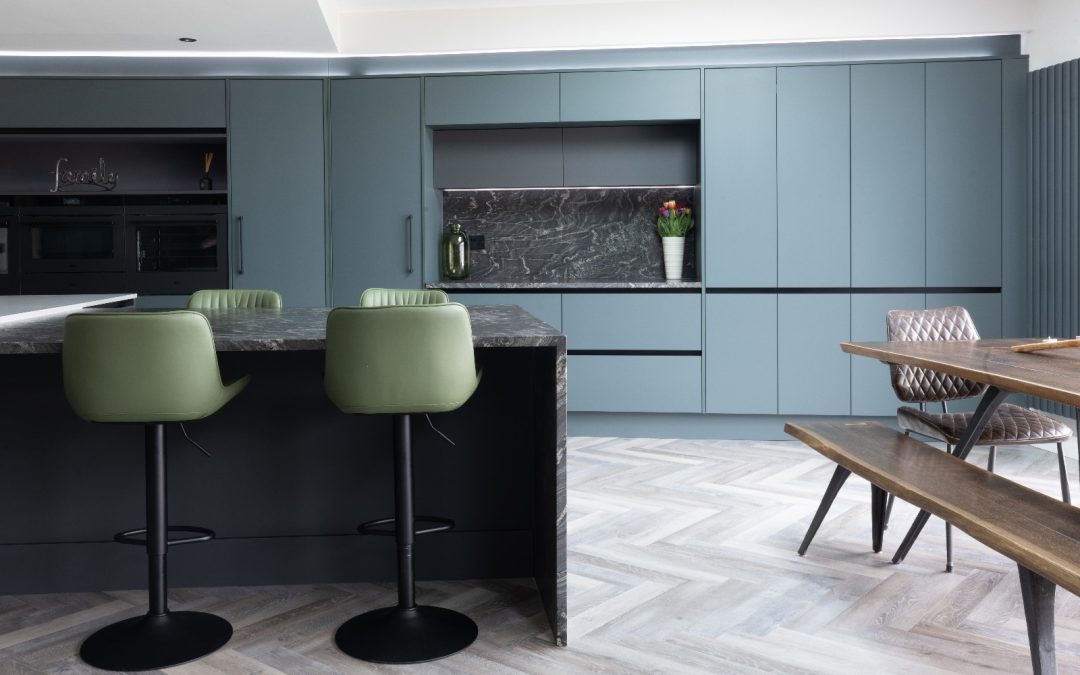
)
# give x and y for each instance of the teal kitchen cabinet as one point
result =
(621, 324)
(814, 375)
(888, 176)
(740, 353)
(491, 99)
(276, 188)
(630, 96)
(740, 177)
(112, 103)
(813, 181)
(632, 321)
(545, 306)
(963, 174)
(652, 384)
(375, 169)
(871, 388)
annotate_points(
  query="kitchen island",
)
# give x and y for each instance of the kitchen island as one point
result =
(291, 476)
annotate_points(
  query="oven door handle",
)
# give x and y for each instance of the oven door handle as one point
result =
(239, 244)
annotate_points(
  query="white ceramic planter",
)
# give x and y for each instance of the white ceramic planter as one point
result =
(673, 257)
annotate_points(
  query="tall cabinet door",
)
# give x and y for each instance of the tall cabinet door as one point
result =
(375, 185)
(740, 177)
(276, 188)
(813, 373)
(888, 176)
(740, 353)
(963, 173)
(813, 169)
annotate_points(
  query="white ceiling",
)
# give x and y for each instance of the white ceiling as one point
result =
(366, 27)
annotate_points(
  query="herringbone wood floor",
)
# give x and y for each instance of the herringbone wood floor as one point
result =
(682, 560)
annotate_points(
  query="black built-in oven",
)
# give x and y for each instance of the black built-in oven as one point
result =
(176, 249)
(72, 239)
(9, 258)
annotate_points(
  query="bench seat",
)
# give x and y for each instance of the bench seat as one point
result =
(1040, 533)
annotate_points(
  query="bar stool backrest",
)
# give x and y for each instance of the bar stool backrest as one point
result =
(234, 298)
(400, 359)
(384, 297)
(142, 367)
(919, 385)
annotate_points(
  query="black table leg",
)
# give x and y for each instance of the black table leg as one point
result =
(990, 401)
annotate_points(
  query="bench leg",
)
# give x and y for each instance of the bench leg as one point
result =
(839, 476)
(878, 504)
(1038, 593)
(888, 511)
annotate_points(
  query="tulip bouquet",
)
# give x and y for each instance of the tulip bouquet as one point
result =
(674, 220)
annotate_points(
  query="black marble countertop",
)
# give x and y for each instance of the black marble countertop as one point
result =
(555, 286)
(295, 329)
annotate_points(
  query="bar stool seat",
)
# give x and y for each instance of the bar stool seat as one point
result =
(148, 368)
(401, 360)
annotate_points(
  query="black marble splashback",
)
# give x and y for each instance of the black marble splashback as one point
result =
(561, 234)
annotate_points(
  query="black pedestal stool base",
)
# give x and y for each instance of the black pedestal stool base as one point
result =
(151, 642)
(395, 635)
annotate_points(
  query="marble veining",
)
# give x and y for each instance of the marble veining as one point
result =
(296, 329)
(560, 235)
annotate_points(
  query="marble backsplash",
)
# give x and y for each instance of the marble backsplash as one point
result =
(568, 234)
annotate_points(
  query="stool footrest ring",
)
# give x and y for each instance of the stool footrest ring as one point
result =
(438, 525)
(138, 537)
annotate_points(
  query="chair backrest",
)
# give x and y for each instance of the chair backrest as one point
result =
(234, 298)
(919, 385)
(399, 359)
(141, 366)
(384, 297)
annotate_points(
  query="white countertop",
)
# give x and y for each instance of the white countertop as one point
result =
(23, 307)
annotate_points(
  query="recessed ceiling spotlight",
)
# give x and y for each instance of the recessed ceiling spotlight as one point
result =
(186, 39)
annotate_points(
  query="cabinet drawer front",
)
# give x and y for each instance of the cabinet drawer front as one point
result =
(108, 104)
(655, 384)
(632, 321)
(813, 373)
(491, 99)
(740, 353)
(630, 96)
(544, 306)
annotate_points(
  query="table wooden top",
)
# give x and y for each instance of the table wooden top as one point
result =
(1052, 374)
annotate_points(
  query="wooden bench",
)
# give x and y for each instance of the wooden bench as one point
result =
(1038, 532)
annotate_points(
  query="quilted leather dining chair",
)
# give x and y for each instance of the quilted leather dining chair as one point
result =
(1010, 425)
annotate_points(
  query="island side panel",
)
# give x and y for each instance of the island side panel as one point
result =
(549, 532)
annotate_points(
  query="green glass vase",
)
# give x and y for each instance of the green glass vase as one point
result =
(454, 253)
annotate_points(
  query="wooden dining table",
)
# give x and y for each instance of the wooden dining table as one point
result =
(1051, 374)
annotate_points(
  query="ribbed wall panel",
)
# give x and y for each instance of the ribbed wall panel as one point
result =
(1054, 204)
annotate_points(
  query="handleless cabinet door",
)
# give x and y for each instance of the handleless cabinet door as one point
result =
(963, 173)
(276, 188)
(740, 177)
(888, 175)
(813, 170)
(630, 95)
(814, 374)
(740, 353)
(518, 98)
(112, 103)
(544, 306)
(375, 185)
(871, 388)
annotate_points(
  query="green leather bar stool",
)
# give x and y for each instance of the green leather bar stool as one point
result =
(148, 368)
(234, 298)
(400, 360)
(384, 297)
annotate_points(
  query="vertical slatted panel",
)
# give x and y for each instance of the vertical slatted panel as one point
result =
(1054, 203)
